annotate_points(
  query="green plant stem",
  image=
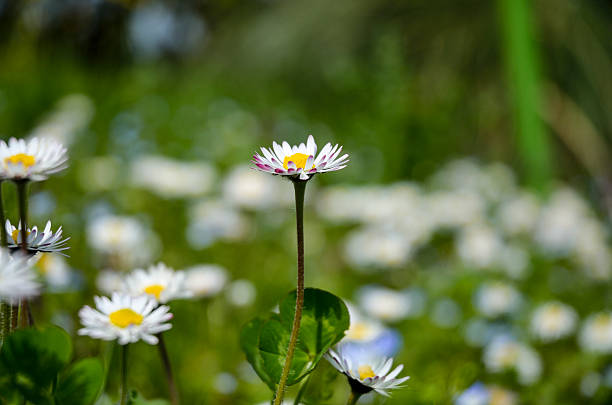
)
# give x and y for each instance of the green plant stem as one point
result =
(300, 190)
(163, 353)
(3, 241)
(302, 390)
(124, 371)
(23, 212)
(353, 398)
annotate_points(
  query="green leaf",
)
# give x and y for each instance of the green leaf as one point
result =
(325, 318)
(320, 388)
(81, 384)
(136, 399)
(35, 356)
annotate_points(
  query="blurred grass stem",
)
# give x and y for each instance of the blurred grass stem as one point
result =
(300, 190)
(3, 241)
(353, 398)
(22, 196)
(124, 371)
(163, 353)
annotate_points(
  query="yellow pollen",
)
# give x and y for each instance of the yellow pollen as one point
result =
(15, 234)
(358, 331)
(25, 160)
(125, 317)
(365, 372)
(43, 262)
(154, 290)
(298, 158)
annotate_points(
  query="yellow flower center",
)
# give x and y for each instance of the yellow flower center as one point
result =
(43, 262)
(298, 158)
(154, 290)
(125, 317)
(358, 331)
(365, 372)
(15, 234)
(25, 160)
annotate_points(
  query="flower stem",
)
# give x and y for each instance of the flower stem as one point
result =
(300, 189)
(23, 212)
(353, 398)
(124, 371)
(163, 353)
(3, 242)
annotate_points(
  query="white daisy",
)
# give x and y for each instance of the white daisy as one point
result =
(552, 321)
(205, 280)
(34, 160)
(505, 353)
(497, 298)
(596, 333)
(125, 318)
(37, 241)
(366, 371)
(109, 281)
(300, 161)
(17, 279)
(159, 282)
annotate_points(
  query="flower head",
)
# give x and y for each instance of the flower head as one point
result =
(34, 160)
(125, 318)
(553, 320)
(300, 161)
(17, 279)
(365, 370)
(159, 282)
(37, 241)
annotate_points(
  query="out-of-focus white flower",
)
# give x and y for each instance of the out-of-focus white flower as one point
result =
(214, 220)
(519, 215)
(109, 281)
(172, 178)
(366, 370)
(250, 189)
(494, 299)
(479, 246)
(592, 252)
(125, 318)
(377, 247)
(502, 396)
(241, 293)
(589, 384)
(505, 353)
(451, 209)
(476, 394)
(17, 279)
(300, 161)
(33, 160)
(596, 333)
(514, 260)
(372, 333)
(446, 313)
(553, 320)
(159, 281)
(390, 305)
(205, 280)
(124, 238)
(225, 383)
(55, 271)
(36, 241)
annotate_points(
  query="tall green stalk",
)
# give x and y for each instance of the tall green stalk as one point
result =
(22, 196)
(163, 353)
(3, 240)
(124, 372)
(522, 66)
(300, 190)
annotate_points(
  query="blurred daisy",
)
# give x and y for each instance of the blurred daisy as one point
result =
(109, 281)
(300, 161)
(505, 353)
(390, 305)
(553, 321)
(502, 396)
(364, 331)
(250, 189)
(37, 241)
(17, 279)
(159, 282)
(366, 371)
(55, 270)
(378, 247)
(212, 220)
(33, 160)
(494, 299)
(205, 280)
(596, 333)
(125, 318)
(477, 394)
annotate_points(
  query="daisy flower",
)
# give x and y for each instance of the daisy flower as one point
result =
(125, 318)
(366, 371)
(300, 161)
(34, 160)
(160, 282)
(37, 241)
(553, 320)
(17, 279)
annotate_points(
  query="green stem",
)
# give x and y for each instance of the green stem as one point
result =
(3, 242)
(300, 190)
(353, 398)
(302, 390)
(22, 195)
(124, 371)
(163, 353)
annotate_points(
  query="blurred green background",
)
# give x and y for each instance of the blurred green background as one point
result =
(405, 86)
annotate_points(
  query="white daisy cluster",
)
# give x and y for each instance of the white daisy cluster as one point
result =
(492, 222)
(17, 279)
(125, 319)
(506, 353)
